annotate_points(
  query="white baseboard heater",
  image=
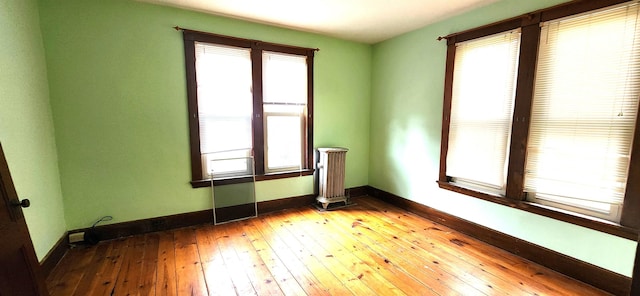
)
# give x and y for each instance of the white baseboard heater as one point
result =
(331, 172)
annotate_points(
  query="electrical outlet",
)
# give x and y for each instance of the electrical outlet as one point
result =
(76, 237)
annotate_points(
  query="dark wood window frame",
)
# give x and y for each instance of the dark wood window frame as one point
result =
(530, 32)
(257, 47)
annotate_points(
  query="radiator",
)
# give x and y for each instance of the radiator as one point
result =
(331, 168)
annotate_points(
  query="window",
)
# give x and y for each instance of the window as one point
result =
(481, 111)
(225, 109)
(248, 100)
(284, 106)
(567, 92)
(584, 112)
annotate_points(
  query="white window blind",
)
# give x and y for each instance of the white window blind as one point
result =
(484, 80)
(225, 108)
(584, 111)
(284, 105)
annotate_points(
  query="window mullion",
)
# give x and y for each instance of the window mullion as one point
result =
(258, 120)
(522, 111)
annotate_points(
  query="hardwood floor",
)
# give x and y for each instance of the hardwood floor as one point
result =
(371, 248)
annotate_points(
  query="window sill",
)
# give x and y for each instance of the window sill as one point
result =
(244, 179)
(553, 213)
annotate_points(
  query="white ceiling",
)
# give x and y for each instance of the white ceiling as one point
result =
(367, 21)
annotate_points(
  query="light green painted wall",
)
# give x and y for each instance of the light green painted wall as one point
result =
(406, 114)
(26, 125)
(118, 95)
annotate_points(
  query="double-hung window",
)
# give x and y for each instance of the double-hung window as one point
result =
(584, 111)
(225, 109)
(250, 108)
(481, 111)
(547, 121)
(285, 110)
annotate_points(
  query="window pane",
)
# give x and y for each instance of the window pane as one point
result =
(225, 133)
(225, 106)
(584, 110)
(481, 110)
(284, 141)
(284, 78)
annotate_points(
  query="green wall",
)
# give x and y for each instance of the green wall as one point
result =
(118, 95)
(406, 113)
(26, 125)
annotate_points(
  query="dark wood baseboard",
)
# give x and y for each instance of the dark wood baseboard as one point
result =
(358, 191)
(116, 230)
(285, 203)
(596, 276)
(54, 256)
(112, 231)
(123, 229)
(300, 201)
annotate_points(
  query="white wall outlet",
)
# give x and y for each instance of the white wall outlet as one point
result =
(76, 237)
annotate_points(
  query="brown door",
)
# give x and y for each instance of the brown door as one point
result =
(19, 269)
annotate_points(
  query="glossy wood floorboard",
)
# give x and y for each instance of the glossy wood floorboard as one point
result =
(371, 248)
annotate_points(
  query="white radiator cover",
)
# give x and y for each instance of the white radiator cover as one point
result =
(331, 172)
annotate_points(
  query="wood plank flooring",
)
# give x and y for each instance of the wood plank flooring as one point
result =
(371, 248)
